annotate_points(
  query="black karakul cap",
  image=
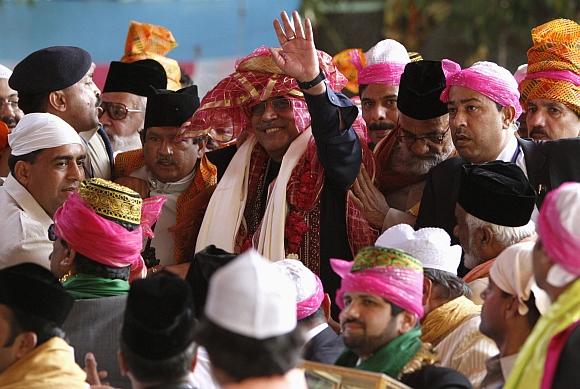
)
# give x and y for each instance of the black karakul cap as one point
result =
(167, 108)
(50, 69)
(497, 192)
(159, 321)
(419, 89)
(136, 77)
(32, 289)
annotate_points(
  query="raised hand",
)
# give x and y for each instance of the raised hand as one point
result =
(369, 199)
(296, 55)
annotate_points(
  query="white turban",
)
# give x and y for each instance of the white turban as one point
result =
(513, 272)
(37, 131)
(5, 72)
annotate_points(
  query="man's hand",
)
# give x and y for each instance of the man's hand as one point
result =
(138, 185)
(369, 199)
(94, 377)
(296, 55)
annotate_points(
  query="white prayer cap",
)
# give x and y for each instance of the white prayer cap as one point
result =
(309, 290)
(513, 272)
(5, 72)
(251, 297)
(36, 131)
(431, 246)
(521, 73)
(387, 50)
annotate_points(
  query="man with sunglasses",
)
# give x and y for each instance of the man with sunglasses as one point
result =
(59, 80)
(124, 100)
(172, 166)
(404, 157)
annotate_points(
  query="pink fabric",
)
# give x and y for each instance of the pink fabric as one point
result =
(310, 305)
(558, 242)
(388, 73)
(402, 287)
(487, 78)
(555, 347)
(103, 240)
(562, 75)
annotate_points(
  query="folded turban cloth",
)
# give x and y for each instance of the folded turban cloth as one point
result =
(149, 41)
(487, 78)
(388, 273)
(554, 64)
(226, 108)
(345, 62)
(309, 290)
(559, 227)
(513, 272)
(107, 223)
(385, 63)
(37, 131)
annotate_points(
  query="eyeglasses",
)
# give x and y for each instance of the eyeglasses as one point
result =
(435, 139)
(280, 105)
(52, 233)
(116, 111)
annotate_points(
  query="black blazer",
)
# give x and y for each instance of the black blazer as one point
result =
(548, 163)
(324, 347)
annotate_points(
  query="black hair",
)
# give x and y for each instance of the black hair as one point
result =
(30, 157)
(242, 357)
(533, 314)
(453, 285)
(25, 322)
(32, 103)
(159, 370)
(88, 266)
(316, 316)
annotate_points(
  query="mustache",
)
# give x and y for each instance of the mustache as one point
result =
(381, 126)
(9, 120)
(353, 321)
(537, 130)
(167, 159)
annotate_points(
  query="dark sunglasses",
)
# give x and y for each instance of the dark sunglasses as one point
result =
(116, 111)
(280, 105)
(52, 233)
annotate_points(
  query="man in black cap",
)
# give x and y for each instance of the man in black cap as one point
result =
(420, 142)
(172, 167)
(33, 352)
(59, 80)
(493, 212)
(157, 348)
(124, 100)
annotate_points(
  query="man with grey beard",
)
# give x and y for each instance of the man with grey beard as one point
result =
(421, 141)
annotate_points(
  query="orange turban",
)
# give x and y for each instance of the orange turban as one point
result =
(148, 41)
(554, 64)
(4, 131)
(345, 64)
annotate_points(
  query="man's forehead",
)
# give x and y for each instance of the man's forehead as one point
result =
(546, 103)
(409, 124)
(70, 151)
(464, 95)
(362, 295)
(380, 91)
(118, 97)
(5, 90)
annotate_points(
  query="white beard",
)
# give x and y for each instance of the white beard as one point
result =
(404, 161)
(122, 144)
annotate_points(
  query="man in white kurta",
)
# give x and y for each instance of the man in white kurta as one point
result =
(46, 166)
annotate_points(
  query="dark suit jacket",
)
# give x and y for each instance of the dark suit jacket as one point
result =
(549, 164)
(324, 347)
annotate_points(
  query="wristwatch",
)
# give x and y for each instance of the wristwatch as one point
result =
(312, 83)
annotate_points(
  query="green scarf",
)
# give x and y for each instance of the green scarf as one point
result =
(391, 359)
(528, 370)
(84, 286)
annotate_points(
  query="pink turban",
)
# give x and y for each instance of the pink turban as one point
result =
(487, 78)
(102, 240)
(389, 273)
(559, 226)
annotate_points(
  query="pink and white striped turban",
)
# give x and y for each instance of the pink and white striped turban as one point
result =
(385, 62)
(487, 78)
(309, 290)
(100, 238)
(388, 273)
(559, 226)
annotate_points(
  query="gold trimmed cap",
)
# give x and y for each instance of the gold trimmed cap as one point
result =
(112, 201)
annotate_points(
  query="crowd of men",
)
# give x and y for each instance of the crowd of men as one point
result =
(153, 240)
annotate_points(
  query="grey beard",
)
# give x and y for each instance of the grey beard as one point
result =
(405, 162)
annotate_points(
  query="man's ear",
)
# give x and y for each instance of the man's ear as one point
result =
(56, 101)
(485, 236)
(508, 116)
(511, 310)
(427, 290)
(26, 342)
(22, 172)
(123, 368)
(326, 306)
(408, 321)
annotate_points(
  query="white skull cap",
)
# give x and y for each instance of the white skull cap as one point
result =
(387, 50)
(431, 246)
(251, 297)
